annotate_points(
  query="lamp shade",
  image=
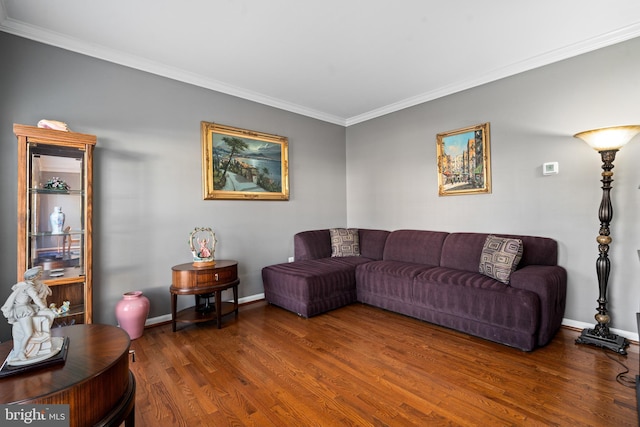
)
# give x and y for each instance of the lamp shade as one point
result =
(611, 138)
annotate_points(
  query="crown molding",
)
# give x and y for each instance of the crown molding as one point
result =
(37, 34)
(589, 45)
(21, 29)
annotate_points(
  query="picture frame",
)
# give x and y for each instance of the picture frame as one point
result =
(464, 161)
(240, 164)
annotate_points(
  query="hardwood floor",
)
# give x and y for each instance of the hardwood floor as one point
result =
(362, 366)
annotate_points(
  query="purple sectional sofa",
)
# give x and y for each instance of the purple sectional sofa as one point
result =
(430, 275)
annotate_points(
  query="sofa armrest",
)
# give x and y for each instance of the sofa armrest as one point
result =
(550, 284)
(312, 244)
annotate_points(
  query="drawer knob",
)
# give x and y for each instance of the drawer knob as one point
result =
(217, 277)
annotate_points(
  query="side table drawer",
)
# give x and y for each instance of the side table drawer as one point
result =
(218, 275)
(188, 278)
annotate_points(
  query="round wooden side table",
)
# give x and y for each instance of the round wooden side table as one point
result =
(94, 381)
(204, 282)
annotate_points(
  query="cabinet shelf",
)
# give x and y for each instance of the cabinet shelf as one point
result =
(56, 192)
(72, 317)
(63, 234)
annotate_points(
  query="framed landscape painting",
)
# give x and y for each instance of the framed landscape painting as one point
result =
(239, 164)
(464, 161)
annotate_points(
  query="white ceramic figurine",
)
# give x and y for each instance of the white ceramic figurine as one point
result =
(26, 309)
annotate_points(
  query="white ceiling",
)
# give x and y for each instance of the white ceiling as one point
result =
(341, 61)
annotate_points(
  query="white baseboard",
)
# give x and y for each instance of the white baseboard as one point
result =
(167, 317)
(633, 336)
(157, 320)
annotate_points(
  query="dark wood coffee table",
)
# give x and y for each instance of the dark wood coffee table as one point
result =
(95, 380)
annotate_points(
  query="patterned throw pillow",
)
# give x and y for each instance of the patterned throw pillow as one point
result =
(344, 242)
(500, 257)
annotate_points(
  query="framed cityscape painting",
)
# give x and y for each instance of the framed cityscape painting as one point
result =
(239, 164)
(464, 161)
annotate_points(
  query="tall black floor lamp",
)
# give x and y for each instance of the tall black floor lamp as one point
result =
(607, 141)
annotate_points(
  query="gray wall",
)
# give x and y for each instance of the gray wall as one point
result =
(148, 173)
(148, 194)
(392, 170)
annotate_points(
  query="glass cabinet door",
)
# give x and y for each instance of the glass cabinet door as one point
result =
(57, 199)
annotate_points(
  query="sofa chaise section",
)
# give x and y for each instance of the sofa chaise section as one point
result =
(316, 282)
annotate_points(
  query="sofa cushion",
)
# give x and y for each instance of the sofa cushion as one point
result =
(415, 246)
(315, 244)
(312, 244)
(344, 242)
(386, 280)
(500, 257)
(462, 250)
(372, 242)
(477, 297)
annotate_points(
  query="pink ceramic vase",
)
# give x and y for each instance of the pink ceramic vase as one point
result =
(132, 311)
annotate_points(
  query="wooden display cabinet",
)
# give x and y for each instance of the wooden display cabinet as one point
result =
(46, 157)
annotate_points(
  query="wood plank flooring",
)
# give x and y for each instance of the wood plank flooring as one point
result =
(362, 366)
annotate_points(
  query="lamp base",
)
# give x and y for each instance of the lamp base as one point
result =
(612, 342)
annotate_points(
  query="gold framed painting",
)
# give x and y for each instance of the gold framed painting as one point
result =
(464, 161)
(240, 164)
